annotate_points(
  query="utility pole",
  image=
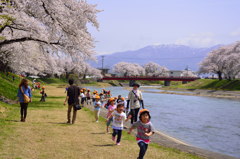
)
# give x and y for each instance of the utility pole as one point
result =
(187, 70)
(102, 62)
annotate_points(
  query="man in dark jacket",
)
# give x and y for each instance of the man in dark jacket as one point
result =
(73, 94)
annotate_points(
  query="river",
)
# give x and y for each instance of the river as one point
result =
(208, 123)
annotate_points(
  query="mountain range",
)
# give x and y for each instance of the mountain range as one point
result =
(174, 57)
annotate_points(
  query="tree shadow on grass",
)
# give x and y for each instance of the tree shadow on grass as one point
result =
(105, 145)
(100, 133)
(16, 121)
(56, 97)
(60, 123)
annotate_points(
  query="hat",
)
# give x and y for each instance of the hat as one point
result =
(143, 110)
(122, 98)
(136, 84)
(111, 99)
(97, 97)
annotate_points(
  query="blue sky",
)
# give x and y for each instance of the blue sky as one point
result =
(133, 24)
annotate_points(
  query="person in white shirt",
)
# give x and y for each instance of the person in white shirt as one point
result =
(135, 100)
(83, 97)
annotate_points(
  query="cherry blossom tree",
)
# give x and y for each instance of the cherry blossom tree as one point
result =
(154, 69)
(188, 73)
(59, 25)
(92, 72)
(32, 32)
(225, 62)
(128, 69)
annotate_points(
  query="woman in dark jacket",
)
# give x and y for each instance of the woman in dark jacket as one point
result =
(24, 89)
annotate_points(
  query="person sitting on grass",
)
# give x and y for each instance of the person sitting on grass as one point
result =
(118, 118)
(97, 107)
(145, 129)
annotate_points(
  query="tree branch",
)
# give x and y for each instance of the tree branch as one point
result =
(6, 42)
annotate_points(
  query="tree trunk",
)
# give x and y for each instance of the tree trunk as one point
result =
(219, 73)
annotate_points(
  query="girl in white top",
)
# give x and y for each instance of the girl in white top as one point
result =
(118, 118)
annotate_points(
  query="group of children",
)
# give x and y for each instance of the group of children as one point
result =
(117, 114)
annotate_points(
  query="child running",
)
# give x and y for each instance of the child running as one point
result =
(94, 95)
(44, 95)
(111, 107)
(88, 96)
(97, 107)
(118, 118)
(83, 97)
(144, 130)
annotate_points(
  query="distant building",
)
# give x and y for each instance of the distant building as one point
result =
(104, 70)
(175, 73)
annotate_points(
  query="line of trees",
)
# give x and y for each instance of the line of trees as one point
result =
(150, 69)
(132, 69)
(47, 37)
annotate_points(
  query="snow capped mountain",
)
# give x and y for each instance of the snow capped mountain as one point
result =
(174, 57)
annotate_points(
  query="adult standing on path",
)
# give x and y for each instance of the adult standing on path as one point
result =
(135, 100)
(73, 93)
(24, 97)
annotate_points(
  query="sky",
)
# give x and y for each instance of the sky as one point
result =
(134, 24)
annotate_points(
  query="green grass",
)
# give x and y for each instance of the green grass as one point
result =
(211, 84)
(11, 114)
(7, 120)
(168, 149)
(52, 81)
(8, 87)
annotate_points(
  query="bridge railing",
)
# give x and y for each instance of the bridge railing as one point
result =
(173, 78)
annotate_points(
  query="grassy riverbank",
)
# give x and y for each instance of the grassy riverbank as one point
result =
(210, 84)
(8, 86)
(45, 134)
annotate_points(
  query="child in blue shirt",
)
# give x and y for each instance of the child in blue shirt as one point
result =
(97, 107)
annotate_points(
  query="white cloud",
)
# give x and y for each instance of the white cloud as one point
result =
(103, 53)
(198, 40)
(236, 32)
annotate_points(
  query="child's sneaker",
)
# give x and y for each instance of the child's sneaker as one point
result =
(113, 138)
(96, 121)
(118, 144)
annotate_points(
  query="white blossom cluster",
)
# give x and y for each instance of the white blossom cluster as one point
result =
(132, 69)
(47, 36)
(225, 62)
(154, 69)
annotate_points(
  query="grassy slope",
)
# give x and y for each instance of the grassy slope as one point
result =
(44, 127)
(8, 87)
(213, 84)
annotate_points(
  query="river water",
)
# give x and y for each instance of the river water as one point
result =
(208, 123)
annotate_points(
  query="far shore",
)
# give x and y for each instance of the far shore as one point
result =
(201, 92)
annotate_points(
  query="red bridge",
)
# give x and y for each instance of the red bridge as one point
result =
(167, 80)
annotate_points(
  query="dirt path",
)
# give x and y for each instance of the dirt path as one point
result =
(46, 136)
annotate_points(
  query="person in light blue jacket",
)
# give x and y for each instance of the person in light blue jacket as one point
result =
(24, 89)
